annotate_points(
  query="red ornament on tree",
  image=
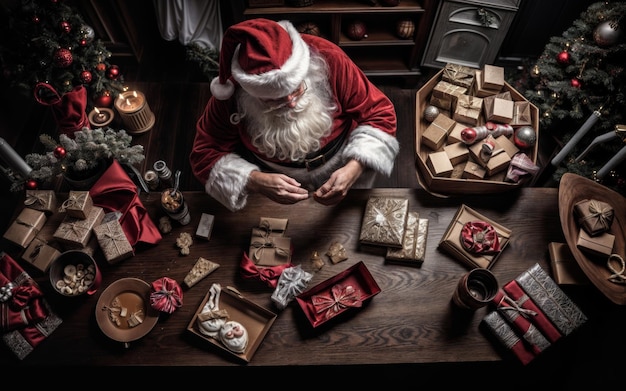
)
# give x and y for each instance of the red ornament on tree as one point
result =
(113, 72)
(563, 57)
(59, 152)
(575, 83)
(104, 100)
(101, 67)
(65, 26)
(36, 19)
(83, 42)
(63, 58)
(31, 184)
(86, 77)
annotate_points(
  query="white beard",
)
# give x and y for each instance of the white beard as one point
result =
(290, 133)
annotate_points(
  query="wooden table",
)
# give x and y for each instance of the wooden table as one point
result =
(411, 321)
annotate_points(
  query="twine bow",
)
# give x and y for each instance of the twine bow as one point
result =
(35, 198)
(74, 201)
(618, 276)
(111, 239)
(73, 228)
(600, 211)
(514, 306)
(266, 242)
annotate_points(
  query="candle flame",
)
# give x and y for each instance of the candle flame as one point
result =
(127, 102)
(96, 110)
(135, 94)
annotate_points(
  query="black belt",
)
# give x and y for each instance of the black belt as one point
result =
(320, 158)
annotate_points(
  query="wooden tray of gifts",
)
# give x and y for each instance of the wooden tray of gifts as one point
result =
(574, 188)
(455, 185)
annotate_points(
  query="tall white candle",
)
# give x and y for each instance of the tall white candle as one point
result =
(593, 118)
(13, 160)
(611, 164)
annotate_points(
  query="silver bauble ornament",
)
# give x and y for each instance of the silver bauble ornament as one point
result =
(525, 137)
(87, 33)
(430, 113)
(607, 33)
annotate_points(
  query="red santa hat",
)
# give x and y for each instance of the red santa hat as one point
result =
(268, 59)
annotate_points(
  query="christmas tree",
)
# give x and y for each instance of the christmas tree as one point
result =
(579, 75)
(47, 41)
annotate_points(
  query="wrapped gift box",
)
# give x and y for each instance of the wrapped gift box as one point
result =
(414, 244)
(492, 77)
(459, 75)
(509, 146)
(594, 216)
(267, 250)
(329, 298)
(205, 226)
(275, 226)
(40, 254)
(25, 227)
(447, 91)
(468, 109)
(78, 204)
(75, 232)
(522, 115)
(451, 243)
(437, 132)
(600, 246)
(113, 241)
(565, 269)
(43, 200)
(480, 90)
(498, 161)
(505, 335)
(384, 221)
(455, 134)
(439, 164)
(498, 110)
(473, 170)
(457, 153)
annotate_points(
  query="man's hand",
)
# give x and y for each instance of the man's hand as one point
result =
(277, 187)
(336, 187)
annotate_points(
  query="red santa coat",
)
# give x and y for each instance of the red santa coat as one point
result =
(366, 113)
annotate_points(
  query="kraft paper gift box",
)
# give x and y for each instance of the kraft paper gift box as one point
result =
(455, 134)
(521, 114)
(78, 204)
(498, 110)
(594, 216)
(75, 232)
(565, 315)
(459, 75)
(600, 246)
(509, 146)
(40, 254)
(457, 153)
(442, 103)
(473, 170)
(414, 243)
(451, 243)
(267, 249)
(25, 227)
(276, 226)
(479, 90)
(43, 200)
(113, 241)
(492, 77)
(384, 221)
(468, 109)
(447, 91)
(436, 133)
(497, 162)
(565, 269)
(439, 164)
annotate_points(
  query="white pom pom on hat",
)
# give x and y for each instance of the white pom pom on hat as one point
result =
(267, 59)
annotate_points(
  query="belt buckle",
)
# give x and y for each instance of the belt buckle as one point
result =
(314, 163)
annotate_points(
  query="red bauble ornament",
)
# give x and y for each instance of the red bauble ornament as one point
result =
(563, 57)
(86, 77)
(65, 26)
(31, 184)
(113, 72)
(356, 31)
(83, 42)
(104, 100)
(63, 58)
(575, 83)
(36, 19)
(59, 152)
(101, 67)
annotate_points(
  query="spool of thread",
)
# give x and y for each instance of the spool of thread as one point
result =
(164, 173)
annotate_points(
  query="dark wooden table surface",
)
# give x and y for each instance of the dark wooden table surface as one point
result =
(411, 321)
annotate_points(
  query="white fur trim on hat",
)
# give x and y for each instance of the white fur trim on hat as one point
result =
(281, 82)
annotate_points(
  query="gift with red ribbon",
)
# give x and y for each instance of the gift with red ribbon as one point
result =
(480, 237)
(268, 275)
(166, 295)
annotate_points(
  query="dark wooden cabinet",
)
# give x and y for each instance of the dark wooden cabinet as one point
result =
(382, 52)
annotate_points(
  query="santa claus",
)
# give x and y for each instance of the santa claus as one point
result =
(291, 116)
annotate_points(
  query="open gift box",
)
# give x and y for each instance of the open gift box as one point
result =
(256, 319)
(338, 294)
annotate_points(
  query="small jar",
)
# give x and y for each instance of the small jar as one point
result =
(164, 173)
(175, 206)
(152, 179)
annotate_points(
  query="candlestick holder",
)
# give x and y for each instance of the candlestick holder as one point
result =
(100, 117)
(135, 112)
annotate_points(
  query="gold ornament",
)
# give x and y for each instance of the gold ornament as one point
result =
(405, 29)
(309, 28)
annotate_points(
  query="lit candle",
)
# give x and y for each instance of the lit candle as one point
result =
(134, 111)
(13, 160)
(100, 116)
(130, 101)
(593, 118)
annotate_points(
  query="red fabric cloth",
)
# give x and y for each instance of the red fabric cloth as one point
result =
(267, 275)
(68, 110)
(540, 320)
(115, 191)
(480, 237)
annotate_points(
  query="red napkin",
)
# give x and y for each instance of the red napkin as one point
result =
(68, 110)
(115, 191)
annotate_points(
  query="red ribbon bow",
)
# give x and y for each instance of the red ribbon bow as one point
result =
(480, 237)
(268, 275)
